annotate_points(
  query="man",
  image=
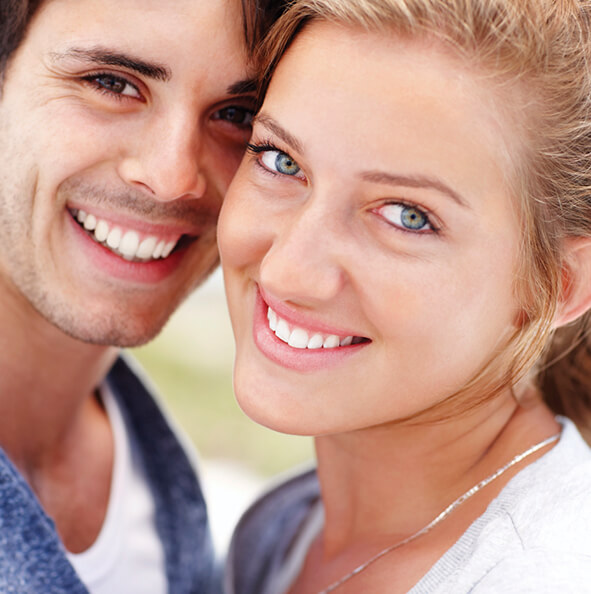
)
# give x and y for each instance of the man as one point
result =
(121, 124)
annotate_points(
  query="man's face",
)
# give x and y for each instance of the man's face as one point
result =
(121, 125)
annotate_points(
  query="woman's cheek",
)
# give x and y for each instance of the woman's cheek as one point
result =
(238, 235)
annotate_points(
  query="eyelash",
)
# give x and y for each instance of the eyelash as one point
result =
(258, 148)
(92, 79)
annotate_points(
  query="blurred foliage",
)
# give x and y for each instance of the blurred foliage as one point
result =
(190, 364)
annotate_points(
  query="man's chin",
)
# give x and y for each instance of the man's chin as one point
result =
(122, 331)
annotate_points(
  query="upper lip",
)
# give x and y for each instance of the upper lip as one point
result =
(295, 318)
(160, 229)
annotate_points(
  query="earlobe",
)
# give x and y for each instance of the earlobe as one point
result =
(576, 281)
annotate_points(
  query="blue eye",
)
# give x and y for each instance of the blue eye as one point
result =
(280, 162)
(413, 218)
(274, 161)
(406, 217)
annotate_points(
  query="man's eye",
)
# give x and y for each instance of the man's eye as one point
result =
(113, 85)
(239, 116)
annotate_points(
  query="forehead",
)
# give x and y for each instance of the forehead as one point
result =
(186, 34)
(412, 98)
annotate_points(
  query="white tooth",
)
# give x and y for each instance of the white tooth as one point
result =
(114, 238)
(347, 341)
(102, 230)
(316, 341)
(298, 338)
(129, 244)
(81, 216)
(282, 330)
(331, 342)
(90, 222)
(272, 317)
(168, 248)
(158, 250)
(146, 248)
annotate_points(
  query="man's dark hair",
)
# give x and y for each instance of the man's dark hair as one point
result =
(16, 14)
(259, 15)
(14, 18)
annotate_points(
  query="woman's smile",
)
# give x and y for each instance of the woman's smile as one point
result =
(291, 341)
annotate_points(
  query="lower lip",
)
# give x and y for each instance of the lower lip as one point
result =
(115, 266)
(303, 360)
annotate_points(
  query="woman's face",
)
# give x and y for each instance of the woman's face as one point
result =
(373, 207)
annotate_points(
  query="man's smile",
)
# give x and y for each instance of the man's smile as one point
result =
(131, 244)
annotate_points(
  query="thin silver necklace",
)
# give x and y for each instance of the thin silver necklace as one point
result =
(446, 512)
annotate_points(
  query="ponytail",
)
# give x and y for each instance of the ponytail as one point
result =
(565, 376)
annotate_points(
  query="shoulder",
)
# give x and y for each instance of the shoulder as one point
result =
(266, 530)
(32, 557)
(289, 498)
(534, 537)
(538, 572)
(549, 503)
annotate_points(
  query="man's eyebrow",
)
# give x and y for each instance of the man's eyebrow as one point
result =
(269, 123)
(105, 57)
(242, 87)
(414, 181)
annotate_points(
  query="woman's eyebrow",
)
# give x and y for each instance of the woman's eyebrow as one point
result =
(272, 125)
(414, 181)
(380, 177)
(107, 57)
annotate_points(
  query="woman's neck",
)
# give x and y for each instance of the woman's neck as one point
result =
(390, 481)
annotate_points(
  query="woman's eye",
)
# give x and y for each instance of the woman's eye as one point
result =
(236, 115)
(280, 162)
(115, 85)
(406, 217)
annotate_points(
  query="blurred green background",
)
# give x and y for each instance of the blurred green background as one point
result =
(191, 364)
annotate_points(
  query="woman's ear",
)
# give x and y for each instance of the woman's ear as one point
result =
(576, 281)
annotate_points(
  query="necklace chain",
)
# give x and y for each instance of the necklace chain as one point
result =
(446, 512)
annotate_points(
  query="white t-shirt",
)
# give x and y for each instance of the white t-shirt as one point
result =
(127, 555)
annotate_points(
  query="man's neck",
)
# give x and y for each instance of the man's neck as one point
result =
(52, 426)
(46, 380)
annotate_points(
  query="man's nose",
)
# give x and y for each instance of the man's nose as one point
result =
(164, 159)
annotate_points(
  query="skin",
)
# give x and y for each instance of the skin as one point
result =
(147, 140)
(320, 238)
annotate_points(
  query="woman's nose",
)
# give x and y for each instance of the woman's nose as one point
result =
(304, 262)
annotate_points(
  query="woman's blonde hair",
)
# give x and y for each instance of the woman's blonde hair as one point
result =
(542, 47)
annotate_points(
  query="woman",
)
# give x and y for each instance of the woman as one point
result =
(410, 227)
